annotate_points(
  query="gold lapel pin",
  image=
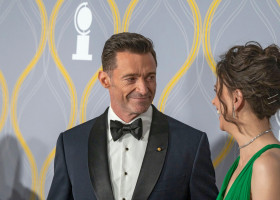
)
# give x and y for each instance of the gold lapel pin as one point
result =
(159, 149)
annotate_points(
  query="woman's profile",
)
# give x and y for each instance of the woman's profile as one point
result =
(247, 95)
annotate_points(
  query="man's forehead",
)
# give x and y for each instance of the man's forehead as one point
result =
(131, 53)
(128, 71)
(131, 60)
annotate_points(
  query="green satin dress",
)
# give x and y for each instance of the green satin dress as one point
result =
(241, 187)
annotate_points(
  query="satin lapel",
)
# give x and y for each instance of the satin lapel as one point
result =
(154, 157)
(98, 159)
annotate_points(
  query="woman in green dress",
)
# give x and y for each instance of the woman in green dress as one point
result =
(247, 95)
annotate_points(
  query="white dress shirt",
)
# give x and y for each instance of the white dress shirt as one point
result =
(126, 156)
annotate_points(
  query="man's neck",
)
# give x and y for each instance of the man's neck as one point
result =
(126, 117)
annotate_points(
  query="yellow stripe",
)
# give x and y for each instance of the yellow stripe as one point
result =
(227, 147)
(190, 58)
(278, 1)
(43, 172)
(92, 81)
(60, 66)
(71, 87)
(85, 96)
(5, 99)
(211, 62)
(15, 93)
(116, 15)
(128, 13)
(206, 42)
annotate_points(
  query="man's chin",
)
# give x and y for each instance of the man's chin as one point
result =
(141, 109)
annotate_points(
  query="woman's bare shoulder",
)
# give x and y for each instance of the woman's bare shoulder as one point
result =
(266, 175)
(268, 161)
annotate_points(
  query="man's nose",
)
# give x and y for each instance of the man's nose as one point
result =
(142, 87)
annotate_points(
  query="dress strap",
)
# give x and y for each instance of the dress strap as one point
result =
(261, 151)
(243, 180)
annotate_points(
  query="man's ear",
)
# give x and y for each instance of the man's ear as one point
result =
(104, 79)
(238, 99)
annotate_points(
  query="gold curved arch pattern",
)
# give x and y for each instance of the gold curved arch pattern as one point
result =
(86, 92)
(116, 15)
(127, 15)
(206, 39)
(193, 53)
(71, 87)
(211, 62)
(224, 152)
(43, 173)
(15, 93)
(5, 99)
(60, 66)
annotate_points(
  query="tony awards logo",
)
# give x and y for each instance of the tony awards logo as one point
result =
(82, 21)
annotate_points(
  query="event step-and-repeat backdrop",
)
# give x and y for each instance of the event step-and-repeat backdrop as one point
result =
(50, 55)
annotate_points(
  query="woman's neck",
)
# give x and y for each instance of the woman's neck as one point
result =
(250, 128)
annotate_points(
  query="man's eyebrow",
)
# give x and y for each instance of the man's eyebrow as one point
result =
(129, 75)
(151, 73)
(135, 74)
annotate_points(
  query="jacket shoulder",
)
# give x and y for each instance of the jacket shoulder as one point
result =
(81, 128)
(77, 135)
(176, 127)
(182, 128)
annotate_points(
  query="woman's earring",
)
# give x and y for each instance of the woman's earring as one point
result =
(233, 112)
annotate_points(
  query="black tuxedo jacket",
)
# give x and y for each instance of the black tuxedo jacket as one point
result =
(182, 169)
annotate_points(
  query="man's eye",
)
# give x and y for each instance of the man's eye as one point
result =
(131, 79)
(151, 78)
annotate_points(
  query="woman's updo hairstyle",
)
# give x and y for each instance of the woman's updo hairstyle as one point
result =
(256, 72)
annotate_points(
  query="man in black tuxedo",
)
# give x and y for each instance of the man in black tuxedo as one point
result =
(132, 151)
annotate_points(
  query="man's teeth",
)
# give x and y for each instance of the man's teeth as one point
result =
(218, 112)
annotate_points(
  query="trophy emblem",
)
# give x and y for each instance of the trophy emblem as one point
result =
(82, 22)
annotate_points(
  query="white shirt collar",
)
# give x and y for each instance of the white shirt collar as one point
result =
(146, 120)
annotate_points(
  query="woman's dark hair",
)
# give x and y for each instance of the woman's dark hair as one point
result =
(256, 72)
(121, 42)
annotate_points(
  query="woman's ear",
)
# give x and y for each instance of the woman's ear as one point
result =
(104, 79)
(238, 100)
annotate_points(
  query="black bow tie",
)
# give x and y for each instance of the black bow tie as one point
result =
(119, 129)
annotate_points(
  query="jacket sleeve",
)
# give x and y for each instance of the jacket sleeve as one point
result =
(203, 182)
(61, 185)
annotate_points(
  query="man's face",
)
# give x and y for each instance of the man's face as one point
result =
(132, 84)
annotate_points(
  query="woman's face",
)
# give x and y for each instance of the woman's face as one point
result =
(227, 99)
